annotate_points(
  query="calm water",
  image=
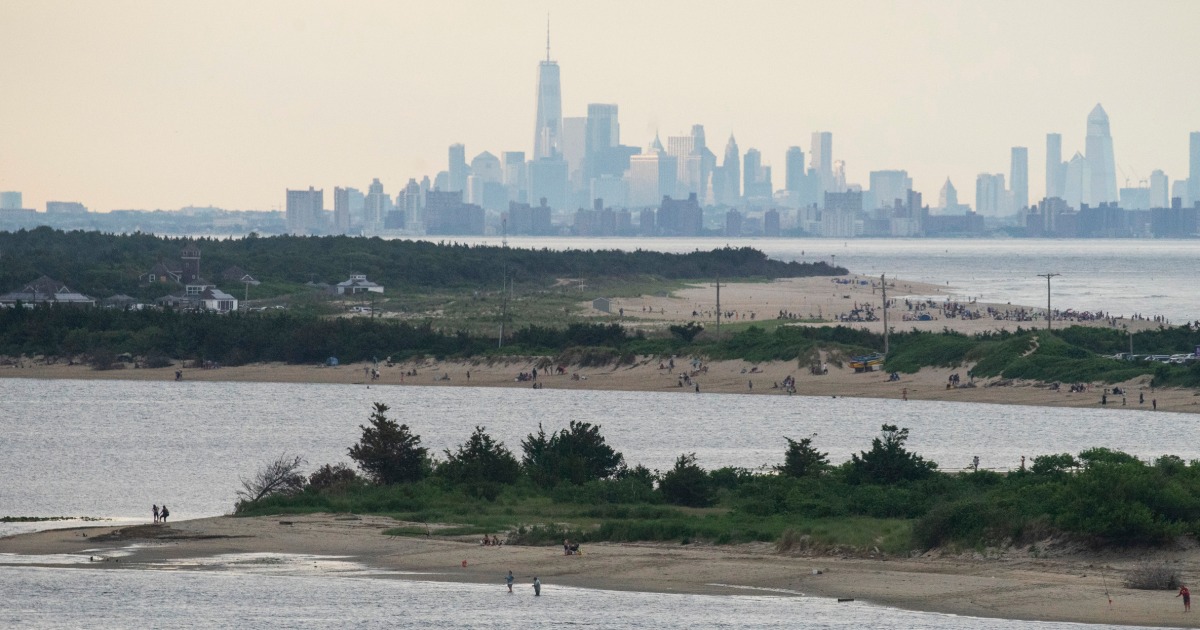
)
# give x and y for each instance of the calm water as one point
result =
(1118, 276)
(74, 598)
(112, 448)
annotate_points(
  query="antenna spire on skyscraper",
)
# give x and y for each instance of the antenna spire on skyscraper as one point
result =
(547, 37)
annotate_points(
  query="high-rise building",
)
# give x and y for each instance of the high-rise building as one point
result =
(603, 134)
(756, 182)
(408, 201)
(1159, 190)
(821, 156)
(990, 194)
(887, 187)
(10, 200)
(1055, 168)
(573, 148)
(65, 207)
(378, 204)
(547, 129)
(303, 210)
(548, 180)
(948, 199)
(1018, 177)
(795, 170)
(341, 209)
(1099, 154)
(458, 168)
(731, 173)
(516, 177)
(1193, 185)
(652, 176)
(1077, 185)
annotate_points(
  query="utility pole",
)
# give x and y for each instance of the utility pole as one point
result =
(503, 305)
(718, 307)
(1047, 276)
(883, 283)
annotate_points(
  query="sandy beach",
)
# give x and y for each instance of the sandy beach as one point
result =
(1061, 584)
(798, 297)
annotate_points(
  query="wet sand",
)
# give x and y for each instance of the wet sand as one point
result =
(1059, 584)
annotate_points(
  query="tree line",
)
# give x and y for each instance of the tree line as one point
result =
(1101, 496)
(101, 265)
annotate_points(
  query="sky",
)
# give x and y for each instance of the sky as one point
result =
(147, 104)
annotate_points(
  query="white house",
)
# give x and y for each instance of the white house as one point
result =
(358, 283)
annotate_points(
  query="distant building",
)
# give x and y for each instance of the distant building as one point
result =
(357, 283)
(1159, 190)
(680, 217)
(65, 207)
(821, 161)
(547, 128)
(304, 210)
(1056, 169)
(1101, 162)
(548, 180)
(197, 294)
(887, 187)
(652, 176)
(771, 226)
(1193, 185)
(990, 195)
(1019, 178)
(10, 200)
(457, 169)
(733, 223)
(45, 290)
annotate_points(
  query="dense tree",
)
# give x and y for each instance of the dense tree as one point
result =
(888, 461)
(802, 459)
(333, 477)
(389, 452)
(687, 483)
(481, 459)
(576, 454)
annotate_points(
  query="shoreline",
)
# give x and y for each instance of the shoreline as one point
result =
(1061, 585)
(724, 377)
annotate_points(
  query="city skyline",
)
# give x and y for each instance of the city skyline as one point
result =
(157, 114)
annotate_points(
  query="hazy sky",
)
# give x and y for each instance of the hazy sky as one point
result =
(148, 105)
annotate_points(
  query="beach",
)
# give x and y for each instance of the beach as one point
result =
(749, 302)
(1065, 583)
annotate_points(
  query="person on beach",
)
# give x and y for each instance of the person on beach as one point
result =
(1187, 598)
(508, 579)
(537, 587)
(154, 510)
(163, 514)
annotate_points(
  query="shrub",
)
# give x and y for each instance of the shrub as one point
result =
(802, 460)
(687, 483)
(888, 462)
(1149, 576)
(389, 452)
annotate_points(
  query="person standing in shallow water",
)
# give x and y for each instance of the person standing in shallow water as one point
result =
(509, 580)
(537, 587)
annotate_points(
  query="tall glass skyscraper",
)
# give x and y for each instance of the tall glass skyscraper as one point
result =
(1055, 169)
(1018, 177)
(1099, 154)
(547, 131)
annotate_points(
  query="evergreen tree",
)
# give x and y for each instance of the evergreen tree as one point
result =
(389, 452)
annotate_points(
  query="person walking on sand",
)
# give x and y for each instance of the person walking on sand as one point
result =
(1187, 598)
(508, 579)
(163, 513)
(537, 587)
(154, 510)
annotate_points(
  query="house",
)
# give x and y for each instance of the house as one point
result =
(120, 301)
(237, 274)
(161, 274)
(198, 294)
(602, 304)
(45, 290)
(358, 283)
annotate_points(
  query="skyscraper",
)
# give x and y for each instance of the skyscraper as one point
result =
(751, 172)
(1077, 185)
(1099, 154)
(603, 134)
(651, 176)
(516, 176)
(948, 198)
(795, 169)
(887, 187)
(1018, 176)
(458, 168)
(378, 203)
(547, 130)
(990, 194)
(1159, 190)
(1193, 186)
(304, 208)
(821, 153)
(1055, 169)
(731, 171)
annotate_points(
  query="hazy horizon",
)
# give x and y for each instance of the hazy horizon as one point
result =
(158, 105)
